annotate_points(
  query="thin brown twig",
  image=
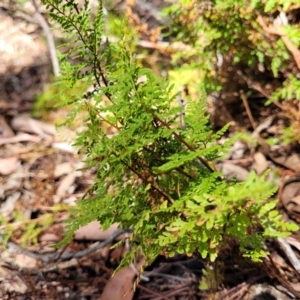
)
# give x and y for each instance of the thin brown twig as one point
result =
(49, 36)
(46, 258)
(203, 161)
(236, 290)
(240, 295)
(154, 187)
(248, 110)
(153, 293)
(289, 254)
(276, 30)
(271, 268)
(172, 293)
(146, 149)
(109, 123)
(256, 86)
(163, 161)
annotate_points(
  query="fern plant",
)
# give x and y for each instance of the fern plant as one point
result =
(154, 175)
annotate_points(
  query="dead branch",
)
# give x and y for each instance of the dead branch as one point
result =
(46, 258)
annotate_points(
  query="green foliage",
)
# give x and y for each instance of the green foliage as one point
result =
(34, 229)
(154, 176)
(31, 228)
(237, 31)
(52, 97)
(290, 90)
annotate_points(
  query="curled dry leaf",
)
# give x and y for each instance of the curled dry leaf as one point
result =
(18, 260)
(20, 48)
(290, 197)
(295, 202)
(292, 162)
(293, 241)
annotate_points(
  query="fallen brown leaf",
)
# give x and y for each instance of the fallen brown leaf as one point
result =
(5, 128)
(64, 185)
(22, 137)
(293, 241)
(8, 165)
(62, 169)
(120, 286)
(260, 163)
(9, 205)
(93, 231)
(27, 124)
(231, 171)
(290, 196)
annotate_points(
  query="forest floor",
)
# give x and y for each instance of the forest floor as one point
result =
(42, 175)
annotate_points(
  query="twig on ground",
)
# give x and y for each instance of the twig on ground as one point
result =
(247, 160)
(60, 266)
(172, 293)
(236, 291)
(289, 254)
(240, 293)
(256, 86)
(46, 258)
(274, 272)
(248, 110)
(51, 45)
(167, 276)
(153, 293)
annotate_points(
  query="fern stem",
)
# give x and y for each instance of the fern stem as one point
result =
(153, 187)
(163, 161)
(190, 147)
